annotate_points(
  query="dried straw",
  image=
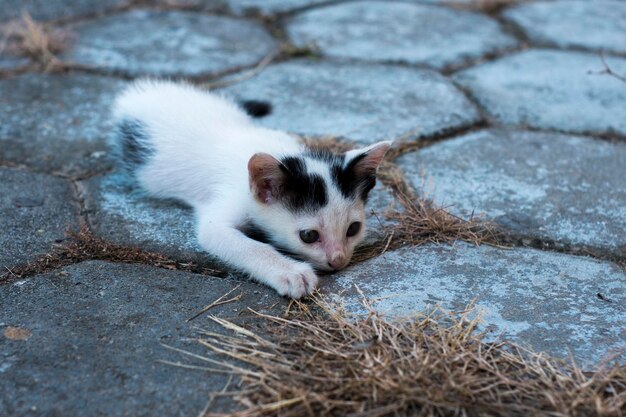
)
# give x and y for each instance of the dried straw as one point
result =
(35, 40)
(322, 362)
(83, 245)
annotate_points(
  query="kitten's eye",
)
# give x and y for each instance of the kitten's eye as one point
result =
(309, 236)
(353, 229)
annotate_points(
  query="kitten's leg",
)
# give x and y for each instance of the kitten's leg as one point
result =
(262, 261)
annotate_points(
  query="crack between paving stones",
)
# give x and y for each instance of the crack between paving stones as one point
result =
(415, 144)
(75, 177)
(490, 122)
(551, 245)
(517, 31)
(469, 63)
(83, 246)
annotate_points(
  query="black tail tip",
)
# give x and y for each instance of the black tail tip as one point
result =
(256, 108)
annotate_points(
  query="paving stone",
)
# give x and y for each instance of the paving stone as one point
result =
(544, 300)
(363, 102)
(35, 212)
(48, 10)
(97, 334)
(399, 32)
(596, 25)
(11, 62)
(571, 189)
(551, 90)
(121, 212)
(168, 43)
(56, 122)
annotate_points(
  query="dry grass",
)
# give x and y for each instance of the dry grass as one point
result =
(83, 246)
(35, 40)
(321, 362)
(330, 143)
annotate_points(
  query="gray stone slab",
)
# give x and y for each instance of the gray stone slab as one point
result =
(551, 90)
(168, 43)
(362, 102)
(12, 62)
(35, 212)
(571, 189)
(48, 10)
(399, 32)
(595, 25)
(543, 300)
(120, 212)
(56, 122)
(97, 331)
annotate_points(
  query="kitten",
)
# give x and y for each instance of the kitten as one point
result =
(245, 181)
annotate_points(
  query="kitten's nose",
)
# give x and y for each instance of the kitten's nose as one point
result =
(337, 260)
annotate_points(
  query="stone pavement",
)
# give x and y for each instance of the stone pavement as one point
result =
(509, 113)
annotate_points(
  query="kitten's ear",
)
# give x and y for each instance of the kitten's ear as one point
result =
(265, 177)
(365, 161)
(361, 166)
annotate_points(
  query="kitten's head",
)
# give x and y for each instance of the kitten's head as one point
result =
(313, 204)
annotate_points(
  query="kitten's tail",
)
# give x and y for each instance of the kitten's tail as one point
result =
(256, 108)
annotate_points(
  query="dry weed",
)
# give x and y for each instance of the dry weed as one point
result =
(83, 246)
(321, 362)
(608, 70)
(35, 40)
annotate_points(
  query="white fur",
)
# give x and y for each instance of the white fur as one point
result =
(202, 145)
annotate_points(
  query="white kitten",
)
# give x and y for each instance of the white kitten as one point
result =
(246, 181)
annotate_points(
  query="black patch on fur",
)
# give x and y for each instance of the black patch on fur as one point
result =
(257, 108)
(346, 180)
(301, 191)
(133, 140)
(255, 232)
(351, 185)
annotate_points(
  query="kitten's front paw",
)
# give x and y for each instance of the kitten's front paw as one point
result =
(296, 281)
